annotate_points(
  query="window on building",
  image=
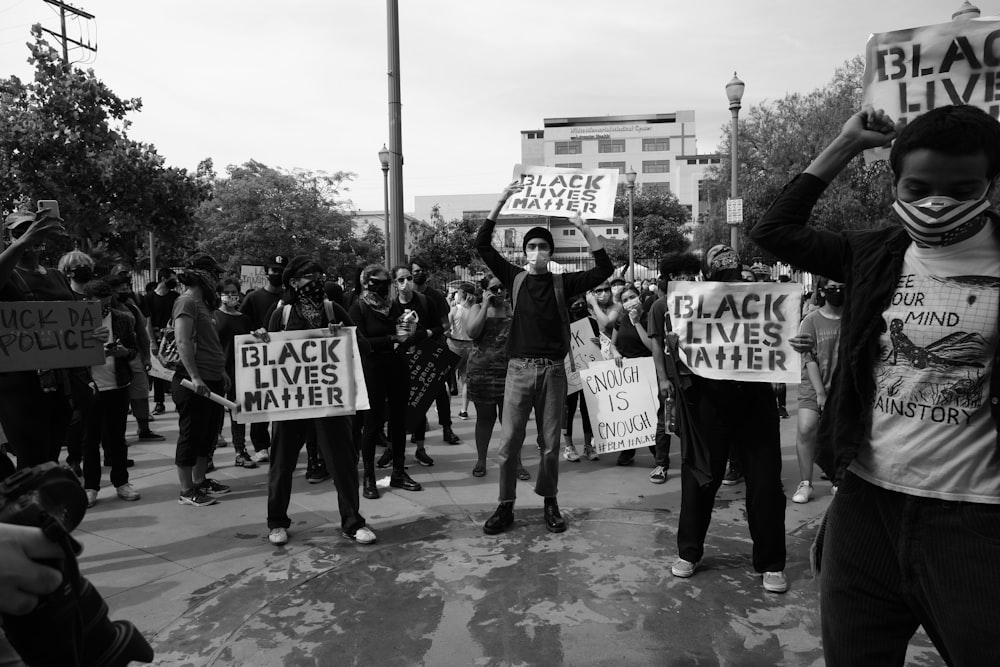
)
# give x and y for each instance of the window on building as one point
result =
(570, 165)
(692, 162)
(656, 188)
(610, 145)
(610, 231)
(656, 166)
(474, 215)
(536, 135)
(569, 232)
(621, 190)
(703, 161)
(620, 166)
(569, 147)
(657, 144)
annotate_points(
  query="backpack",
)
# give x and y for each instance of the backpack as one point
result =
(167, 353)
(286, 311)
(560, 289)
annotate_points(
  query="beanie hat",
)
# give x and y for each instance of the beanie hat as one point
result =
(538, 233)
(300, 264)
(720, 258)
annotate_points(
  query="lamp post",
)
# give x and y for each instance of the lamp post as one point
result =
(630, 180)
(734, 91)
(383, 156)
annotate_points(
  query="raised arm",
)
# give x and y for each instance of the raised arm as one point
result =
(500, 267)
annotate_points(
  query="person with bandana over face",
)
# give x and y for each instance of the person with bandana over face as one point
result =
(308, 308)
(538, 344)
(742, 417)
(204, 364)
(387, 374)
(911, 419)
(35, 406)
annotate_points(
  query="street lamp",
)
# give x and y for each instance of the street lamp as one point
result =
(630, 180)
(734, 91)
(383, 156)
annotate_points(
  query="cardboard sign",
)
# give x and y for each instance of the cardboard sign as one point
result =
(299, 375)
(584, 350)
(562, 193)
(430, 364)
(252, 277)
(622, 403)
(49, 334)
(909, 72)
(737, 331)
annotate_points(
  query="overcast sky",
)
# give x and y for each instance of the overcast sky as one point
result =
(302, 83)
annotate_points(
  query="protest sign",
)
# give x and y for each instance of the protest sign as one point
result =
(909, 72)
(49, 334)
(252, 277)
(299, 375)
(585, 350)
(737, 331)
(622, 403)
(430, 364)
(562, 193)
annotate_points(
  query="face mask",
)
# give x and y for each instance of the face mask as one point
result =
(82, 274)
(313, 290)
(419, 278)
(941, 221)
(380, 287)
(171, 284)
(231, 301)
(835, 299)
(536, 256)
(274, 280)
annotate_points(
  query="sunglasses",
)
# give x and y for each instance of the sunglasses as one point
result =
(495, 289)
(312, 276)
(601, 290)
(230, 294)
(403, 279)
(833, 290)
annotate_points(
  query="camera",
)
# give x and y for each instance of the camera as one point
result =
(70, 626)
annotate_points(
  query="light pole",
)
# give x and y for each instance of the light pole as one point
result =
(630, 180)
(734, 91)
(383, 156)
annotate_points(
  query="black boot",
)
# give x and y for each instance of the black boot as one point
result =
(370, 490)
(316, 471)
(450, 437)
(501, 519)
(553, 519)
(400, 480)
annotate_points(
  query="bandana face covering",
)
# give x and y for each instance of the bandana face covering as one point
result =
(941, 221)
(312, 290)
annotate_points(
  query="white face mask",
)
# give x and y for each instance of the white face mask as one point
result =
(941, 221)
(231, 301)
(536, 257)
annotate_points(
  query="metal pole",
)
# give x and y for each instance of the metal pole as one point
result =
(631, 233)
(385, 192)
(152, 256)
(398, 226)
(734, 146)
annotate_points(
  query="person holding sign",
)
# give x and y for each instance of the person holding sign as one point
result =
(308, 308)
(632, 342)
(538, 344)
(913, 534)
(742, 417)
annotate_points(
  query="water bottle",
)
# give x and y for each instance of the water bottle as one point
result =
(669, 416)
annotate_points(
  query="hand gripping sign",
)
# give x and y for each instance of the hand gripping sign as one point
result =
(737, 331)
(562, 193)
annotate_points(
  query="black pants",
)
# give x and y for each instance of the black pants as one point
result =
(335, 442)
(198, 422)
(443, 403)
(107, 419)
(388, 383)
(35, 421)
(744, 416)
(160, 388)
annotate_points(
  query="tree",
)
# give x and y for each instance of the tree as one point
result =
(659, 220)
(63, 137)
(445, 245)
(778, 140)
(258, 211)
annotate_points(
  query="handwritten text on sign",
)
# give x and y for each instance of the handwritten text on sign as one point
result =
(562, 192)
(297, 375)
(909, 72)
(585, 351)
(737, 331)
(49, 334)
(252, 277)
(622, 403)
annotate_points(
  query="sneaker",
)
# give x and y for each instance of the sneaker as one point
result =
(363, 535)
(590, 453)
(683, 568)
(422, 458)
(733, 476)
(278, 537)
(385, 460)
(243, 460)
(317, 474)
(261, 456)
(775, 582)
(213, 488)
(159, 409)
(659, 475)
(195, 497)
(91, 497)
(449, 436)
(149, 436)
(464, 416)
(127, 492)
(782, 412)
(569, 453)
(803, 493)
(523, 474)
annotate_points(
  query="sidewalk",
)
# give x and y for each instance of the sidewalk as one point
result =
(207, 588)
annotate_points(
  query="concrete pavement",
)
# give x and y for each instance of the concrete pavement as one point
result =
(207, 588)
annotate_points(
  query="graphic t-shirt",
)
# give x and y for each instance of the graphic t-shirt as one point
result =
(932, 433)
(825, 331)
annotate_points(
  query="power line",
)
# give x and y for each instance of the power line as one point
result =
(61, 36)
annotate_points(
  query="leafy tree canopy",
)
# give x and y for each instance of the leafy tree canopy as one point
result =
(659, 221)
(445, 245)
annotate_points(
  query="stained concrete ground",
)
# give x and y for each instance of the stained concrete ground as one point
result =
(206, 587)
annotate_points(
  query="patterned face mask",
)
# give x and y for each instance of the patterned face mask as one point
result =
(941, 221)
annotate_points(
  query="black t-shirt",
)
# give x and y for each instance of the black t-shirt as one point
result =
(258, 306)
(628, 342)
(229, 326)
(32, 286)
(159, 309)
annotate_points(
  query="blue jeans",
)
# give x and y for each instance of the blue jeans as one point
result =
(542, 387)
(892, 562)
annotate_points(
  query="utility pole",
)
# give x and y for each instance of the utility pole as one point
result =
(397, 228)
(62, 36)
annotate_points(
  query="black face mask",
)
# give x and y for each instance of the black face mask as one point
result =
(835, 299)
(274, 280)
(380, 287)
(419, 278)
(82, 274)
(312, 290)
(171, 284)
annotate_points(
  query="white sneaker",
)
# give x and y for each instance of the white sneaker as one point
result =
(569, 453)
(128, 492)
(659, 475)
(278, 537)
(91, 497)
(803, 493)
(775, 582)
(683, 568)
(261, 456)
(364, 535)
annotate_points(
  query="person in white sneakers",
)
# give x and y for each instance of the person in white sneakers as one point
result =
(819, 336)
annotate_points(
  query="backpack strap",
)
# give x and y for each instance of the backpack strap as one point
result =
(515, 289)
(560, 288)
(328, 307)
(286, 311)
